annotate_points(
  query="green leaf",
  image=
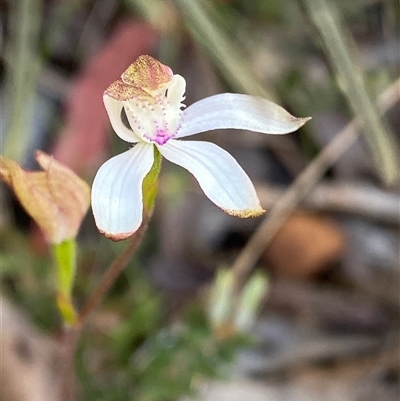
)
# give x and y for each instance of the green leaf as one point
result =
(250, 301)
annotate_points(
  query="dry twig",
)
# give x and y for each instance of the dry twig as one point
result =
(343, 197)
(301, 187)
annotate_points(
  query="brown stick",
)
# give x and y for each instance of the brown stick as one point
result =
(252, 251)
(70, 337)
(71, 334)
(369, 201)
(112, 273)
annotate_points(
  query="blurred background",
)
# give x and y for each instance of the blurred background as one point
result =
(328, 326)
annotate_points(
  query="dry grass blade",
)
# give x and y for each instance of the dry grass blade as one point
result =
(341, 50)
(301, 188)
(200, 16)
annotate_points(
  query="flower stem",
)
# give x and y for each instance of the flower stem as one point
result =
(112, 273)
(71, 333)
(69, 341)
(65, 258)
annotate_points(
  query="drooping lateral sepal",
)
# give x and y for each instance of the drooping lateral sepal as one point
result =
(117, 196)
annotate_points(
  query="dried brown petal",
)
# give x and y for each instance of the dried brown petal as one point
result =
(56, 198)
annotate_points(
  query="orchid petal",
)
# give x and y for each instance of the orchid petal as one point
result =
(219, 175)
(176, 90)
(230, 110)
(117, 198)
(114, 108)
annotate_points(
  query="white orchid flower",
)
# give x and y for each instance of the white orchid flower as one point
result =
(151, 97)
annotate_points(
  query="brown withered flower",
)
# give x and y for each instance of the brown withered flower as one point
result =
(56, 198)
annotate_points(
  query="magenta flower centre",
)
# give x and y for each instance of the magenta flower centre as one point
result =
(161, 137)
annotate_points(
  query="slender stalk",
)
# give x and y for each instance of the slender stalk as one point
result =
(112, 273)
(70, 337)
(71, 333)
(342, 52)
(21, 54)
(65, 257)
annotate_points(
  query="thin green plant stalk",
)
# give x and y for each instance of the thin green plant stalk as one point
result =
(342, 51)
(71, 333)
(65, 257)
(150, 183)
(23, 64)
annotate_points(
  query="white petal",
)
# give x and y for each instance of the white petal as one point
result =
(176, 89)
(117, 199)
(218, 173)
(114, 108)
(230, 110)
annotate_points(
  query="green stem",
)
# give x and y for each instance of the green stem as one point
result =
(65, 257)
(150, 183)
(72, 331)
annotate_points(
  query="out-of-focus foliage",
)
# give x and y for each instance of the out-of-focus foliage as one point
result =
(342, 51)
(129, 351)
(28, 279)
(142, 360)
(23, 59)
